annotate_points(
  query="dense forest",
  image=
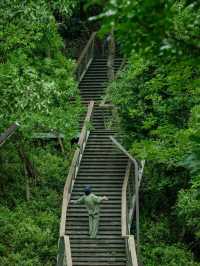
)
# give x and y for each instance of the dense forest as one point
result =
(158, 101)
(39, 91)
(157, 98)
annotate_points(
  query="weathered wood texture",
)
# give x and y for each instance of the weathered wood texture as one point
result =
(74, 167)
(111, 56)
(130, 193)
(86, 57)
(66, 258)
(8, 133)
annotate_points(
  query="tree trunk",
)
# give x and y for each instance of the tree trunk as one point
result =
(61, 144)
(31, 171)
(28, 194)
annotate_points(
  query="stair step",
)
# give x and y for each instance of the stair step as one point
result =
(96, 183)
(100, 185)
(85, 222)
(102, 215)
(104, 227)
(91, 178)
(99, 250)
(102, 176)
(103, 164)
(100, 170)
(105, 254)
(99, 263)
(108, 155)
(104, 161)
(102, 233)
(81, 208)
(111, 197)
(101, 153)
(92, 85)
(118, 242)
(97, 78)
(100, 259)
(103, 167)
(111, 237)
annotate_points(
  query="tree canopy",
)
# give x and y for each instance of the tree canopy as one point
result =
(38, 90)
(37, 80)
(157, 98)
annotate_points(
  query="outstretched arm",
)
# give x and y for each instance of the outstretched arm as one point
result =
(105, 198)
(78, 201)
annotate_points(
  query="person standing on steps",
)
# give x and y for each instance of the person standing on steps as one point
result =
(92, 203)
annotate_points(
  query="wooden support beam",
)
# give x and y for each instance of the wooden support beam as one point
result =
(8, 133)
(132, 249)
(136, 172)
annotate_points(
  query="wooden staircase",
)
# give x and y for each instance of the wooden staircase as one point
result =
(102, 165)
(94, 82)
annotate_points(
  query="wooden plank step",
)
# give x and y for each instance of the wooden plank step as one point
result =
(99, 263)
(97, 242)
(72, 215)
(99, 250)
(100, 186)
(102, 226)
(83, 216)
(100, 258)
(101, 233)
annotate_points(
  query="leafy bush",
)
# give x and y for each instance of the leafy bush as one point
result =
(38, 89)
(37, 80)
(157, 98)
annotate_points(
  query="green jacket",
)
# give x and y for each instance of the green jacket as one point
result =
(92, 203)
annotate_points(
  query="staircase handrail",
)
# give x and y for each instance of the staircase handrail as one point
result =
(128, 211)
(8, 132)
(86, 57)
(64, 252)
(73, 170)
(125, 223)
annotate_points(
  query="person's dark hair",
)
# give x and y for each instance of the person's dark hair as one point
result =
(87, 190)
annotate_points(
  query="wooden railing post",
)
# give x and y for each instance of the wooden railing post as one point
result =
(61, 252)
(86, 57)
(127, 211)
(132, 250)
(73, 170)
(8, 133)
(137, 210)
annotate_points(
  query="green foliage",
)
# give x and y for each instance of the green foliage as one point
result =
(157, 98)
(29, 236)
(161, 26)
(188, 203)
(38, 89)
(158, 105)
(29, 229)
(159, 247)
(37, 81)
(153, 101)
(167, 256)
(188, 209)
